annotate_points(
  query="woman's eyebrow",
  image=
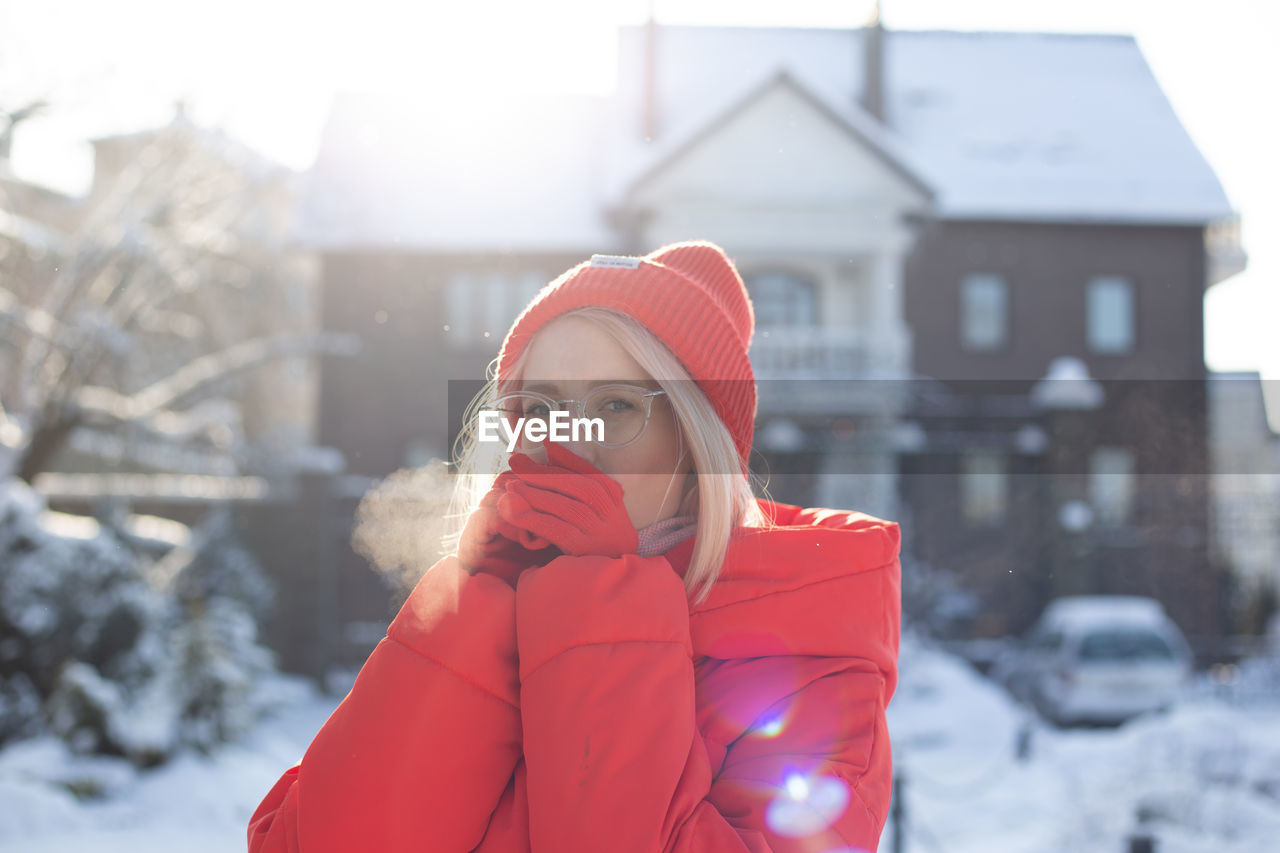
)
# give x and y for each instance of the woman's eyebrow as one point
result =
(553, 388)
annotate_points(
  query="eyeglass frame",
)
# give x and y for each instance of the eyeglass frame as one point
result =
(580, 406)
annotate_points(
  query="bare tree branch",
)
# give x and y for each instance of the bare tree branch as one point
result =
(34, 321)
(144, 306)
(208, 370)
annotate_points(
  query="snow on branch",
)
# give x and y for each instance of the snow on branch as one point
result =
(34, 321)
(205, 371)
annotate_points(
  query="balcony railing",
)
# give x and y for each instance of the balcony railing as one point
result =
(821, 352)
(827, 369)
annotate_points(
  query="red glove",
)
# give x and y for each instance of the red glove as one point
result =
(569, 503)
(491, 545)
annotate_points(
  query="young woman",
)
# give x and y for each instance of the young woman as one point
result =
(628, 651)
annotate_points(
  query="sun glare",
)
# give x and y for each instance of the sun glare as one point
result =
(461, 52)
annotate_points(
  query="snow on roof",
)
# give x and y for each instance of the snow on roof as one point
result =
(517, 173)
(1047, 127)
(638, 160)
(1004, 125)
(1015, 126)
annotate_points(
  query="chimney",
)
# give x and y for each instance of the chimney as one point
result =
(649, 87)
(873, 65)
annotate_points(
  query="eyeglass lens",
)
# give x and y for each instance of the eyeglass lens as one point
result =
(620, 411)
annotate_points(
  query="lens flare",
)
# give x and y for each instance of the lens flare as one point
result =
(773, 726)
(807, 805)
(797, 786)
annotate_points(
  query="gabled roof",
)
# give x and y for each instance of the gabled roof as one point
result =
(1023, 126)
(1006, 126)
(862, 128)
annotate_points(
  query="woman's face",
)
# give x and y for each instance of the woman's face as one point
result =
(568, 357)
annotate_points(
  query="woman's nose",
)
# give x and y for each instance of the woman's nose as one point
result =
(588, 450)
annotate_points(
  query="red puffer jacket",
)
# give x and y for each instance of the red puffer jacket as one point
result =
(591, 709)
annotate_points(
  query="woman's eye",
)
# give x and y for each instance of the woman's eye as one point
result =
(617, 405)
(537, 410)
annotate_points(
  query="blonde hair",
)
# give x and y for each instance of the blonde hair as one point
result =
(721, 498)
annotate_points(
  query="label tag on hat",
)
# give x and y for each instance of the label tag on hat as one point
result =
(617, 262)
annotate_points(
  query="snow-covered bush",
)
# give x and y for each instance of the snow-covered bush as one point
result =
(221, 662)
(221, 567)
(99, 647)
(934, 601)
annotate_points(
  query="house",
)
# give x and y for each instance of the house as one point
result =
(1077, 232)
(1244, 451)
(931, 224)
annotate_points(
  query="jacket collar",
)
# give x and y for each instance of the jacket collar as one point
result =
(821, 582)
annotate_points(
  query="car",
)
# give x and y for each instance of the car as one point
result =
(1098, 659)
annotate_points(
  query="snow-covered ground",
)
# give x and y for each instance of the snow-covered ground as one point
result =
(195, 803)
(1208, 774)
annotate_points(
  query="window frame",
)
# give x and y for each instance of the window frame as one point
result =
(1094, 285)
(476, 300)
(962, 314)
(811, 282)
(965, 483)
(1103, 517)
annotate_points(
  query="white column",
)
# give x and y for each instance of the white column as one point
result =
(890, 341)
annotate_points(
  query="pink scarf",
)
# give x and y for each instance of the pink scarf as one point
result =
(663, 535)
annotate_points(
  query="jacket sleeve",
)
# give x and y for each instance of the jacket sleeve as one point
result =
(614, 755)
(419, 752)
(508, 830)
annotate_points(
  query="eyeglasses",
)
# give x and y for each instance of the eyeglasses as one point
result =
(622, 411)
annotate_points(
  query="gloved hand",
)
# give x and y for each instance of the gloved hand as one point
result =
(569, 503)
(491, 545)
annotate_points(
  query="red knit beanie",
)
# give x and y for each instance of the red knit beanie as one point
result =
(690, 296)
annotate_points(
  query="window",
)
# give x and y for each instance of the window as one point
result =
(1124, 644)
(984, 312)
(782, 298)
(984, 487)
(476, 302)
(1111, 485)
(460, 307)
(1109, 315)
